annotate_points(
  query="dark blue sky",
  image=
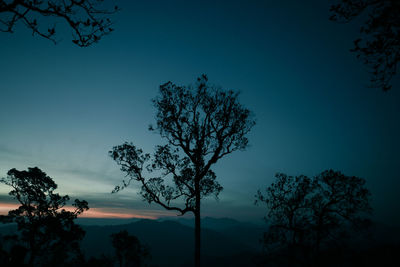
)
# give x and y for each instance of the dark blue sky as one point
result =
(63, 107)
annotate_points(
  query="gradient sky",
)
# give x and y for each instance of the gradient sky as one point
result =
(64, 107)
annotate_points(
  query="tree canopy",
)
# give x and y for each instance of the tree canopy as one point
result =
(307, 214)
(379, 44)
(48, 234)
(88, 19)
(201, 124)
(128, 249)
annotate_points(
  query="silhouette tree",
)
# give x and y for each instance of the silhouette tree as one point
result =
(201, 124)
(46, 229)
(288, 201)
(379, 44)
(339, 200)
(128, 250)
(87, 19)
(305, 214)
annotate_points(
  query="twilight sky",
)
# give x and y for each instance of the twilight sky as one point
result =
(64, 107)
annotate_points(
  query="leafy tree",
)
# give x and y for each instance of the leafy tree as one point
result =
(201, 124)
(46, 229)
(87, 19)
(379, 44)
(339, 200)
(128, 250)
(288, 201)
(305, 214)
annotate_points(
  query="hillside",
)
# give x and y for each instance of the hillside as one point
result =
(171, 242)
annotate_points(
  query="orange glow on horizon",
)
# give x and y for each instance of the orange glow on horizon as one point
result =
(94, 212)
(5, 207)
(99, 213)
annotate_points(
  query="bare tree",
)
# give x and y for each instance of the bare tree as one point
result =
(379, 44)
(201, 124)
(87, 19)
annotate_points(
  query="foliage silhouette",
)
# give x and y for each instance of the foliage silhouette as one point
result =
(201, 124)
(379, 44)
(87, 19)
(47, 230)
(128, 250)
(306, 214)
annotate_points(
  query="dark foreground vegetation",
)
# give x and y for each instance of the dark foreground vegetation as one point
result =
(320, 221)
(46, 234)
(311, 221)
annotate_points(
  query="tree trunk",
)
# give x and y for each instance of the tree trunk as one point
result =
(318, 241)
(32, 246)
(197, 231)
